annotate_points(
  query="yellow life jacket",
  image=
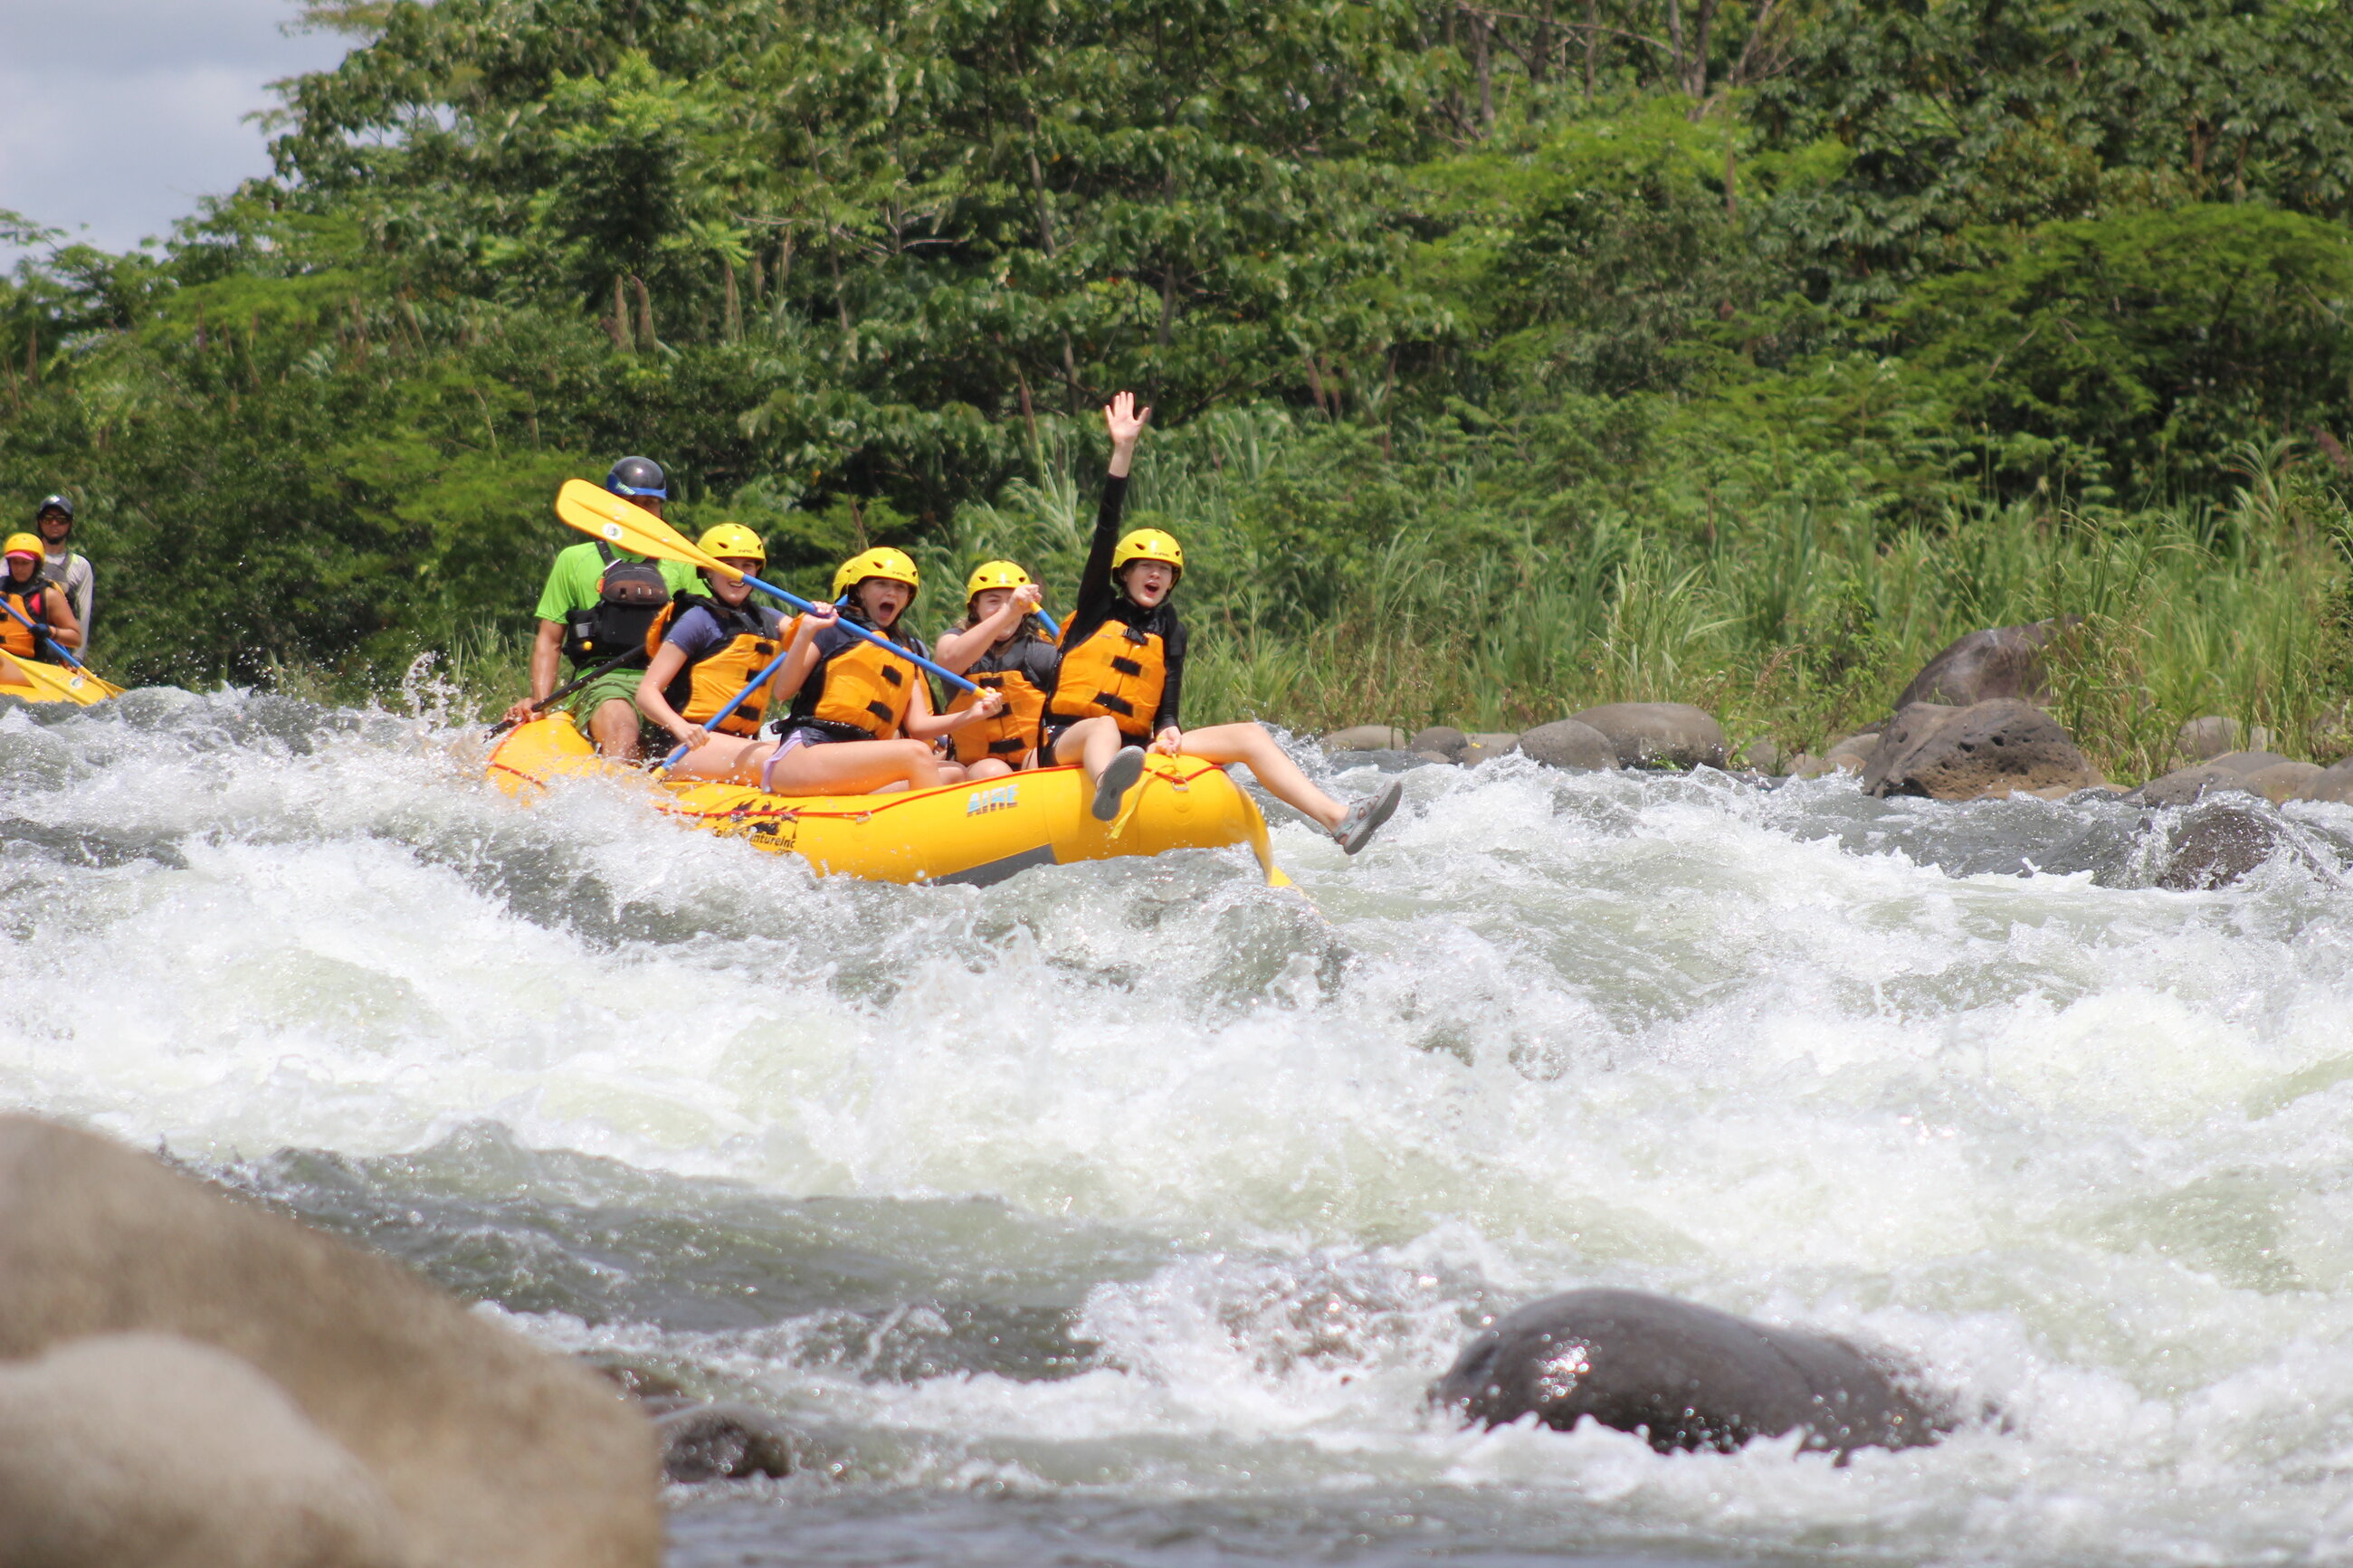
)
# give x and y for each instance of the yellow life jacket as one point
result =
(858, 692)
(703, 686)
(1023, 672)
(30, 600)
(1117, 670)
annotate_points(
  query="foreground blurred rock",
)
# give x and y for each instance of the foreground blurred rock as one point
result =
(1684, 1376)
(153, 1450)
(490, 1452)
(1988, 748)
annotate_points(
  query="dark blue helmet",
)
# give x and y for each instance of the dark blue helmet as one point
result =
(58, 504)
(638, 476)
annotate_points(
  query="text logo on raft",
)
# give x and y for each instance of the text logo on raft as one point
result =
(996, 799)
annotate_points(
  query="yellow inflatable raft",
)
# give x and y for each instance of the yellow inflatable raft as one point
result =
(30, 680)
(976, 833)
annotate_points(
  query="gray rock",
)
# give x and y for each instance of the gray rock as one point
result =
(2183, 785)
(153, 1450)
(1443, 739)
(2247, 762)
(1766, 757)
(1685, 1377)
(1565, 743)
(2203, 739)
(494, 1454)
(1366, 738)
(2216, 843)
(1432, 757)
(2282, 782)
(1859, 745)
(1988, 748)
(1659, 735)
(2334, 783)
(2003, 663)
(1478, 748)
(724, 1442)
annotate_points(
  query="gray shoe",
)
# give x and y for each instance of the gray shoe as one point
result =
(1365, 817)
(1119, 776)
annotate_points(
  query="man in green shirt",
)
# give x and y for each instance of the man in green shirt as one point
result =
(598, 603)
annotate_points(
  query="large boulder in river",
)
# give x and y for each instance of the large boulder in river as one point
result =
(1444, 739)
(2334, 783)
(2282, 782)
(1659, 735)
(1685, 1376)
(2183, 785)
(2005, 662)
(2217, 843)
(1485, 746)
(2203, 739)
(492, 1453)
(1569, 744)
(1366, 738)
(1996, 749)
(153, 1450)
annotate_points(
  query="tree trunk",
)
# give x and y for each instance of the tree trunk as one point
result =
(730, 316)
(1681, 62)
(1482, 28)
(1592, 44)
(618, 323)
(647, 342)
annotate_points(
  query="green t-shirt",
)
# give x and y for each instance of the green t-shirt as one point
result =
(572, 581)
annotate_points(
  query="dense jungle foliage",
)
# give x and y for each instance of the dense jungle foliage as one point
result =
(1506, 359)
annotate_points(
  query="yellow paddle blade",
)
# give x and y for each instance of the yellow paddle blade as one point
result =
(36, 682)
(601, 514)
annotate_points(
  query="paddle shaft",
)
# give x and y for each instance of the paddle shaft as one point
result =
(885, 644)
(571, 686)
(55, 647)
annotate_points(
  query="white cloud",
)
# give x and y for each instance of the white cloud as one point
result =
(116, 115)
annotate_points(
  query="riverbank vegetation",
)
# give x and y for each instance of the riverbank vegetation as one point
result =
(1506, 360)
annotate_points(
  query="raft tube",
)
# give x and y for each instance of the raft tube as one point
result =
(976, 833)
(30, 680)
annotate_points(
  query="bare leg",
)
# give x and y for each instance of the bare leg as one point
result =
(613, 728)
(987, 768)
(854, 767)
(725, 758)
(1250, 744)
(1091, 743)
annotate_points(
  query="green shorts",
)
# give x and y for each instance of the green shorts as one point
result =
(620, 685)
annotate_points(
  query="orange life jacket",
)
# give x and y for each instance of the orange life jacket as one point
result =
(703, 686)
(31, 601)
(1023, 672)
(858, 692)
(1117, 670)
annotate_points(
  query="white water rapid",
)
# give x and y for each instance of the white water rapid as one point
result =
(1122, 1213)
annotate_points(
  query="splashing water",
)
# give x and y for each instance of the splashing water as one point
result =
(1122, 1213)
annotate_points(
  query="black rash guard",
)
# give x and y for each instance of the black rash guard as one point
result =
(1100, 600)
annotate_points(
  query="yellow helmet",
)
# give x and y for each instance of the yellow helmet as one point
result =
(882, 561)
(1148, 544)
(24, 544)
(733, 542)
(996, 574)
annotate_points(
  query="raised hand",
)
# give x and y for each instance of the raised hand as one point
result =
(1126, 422)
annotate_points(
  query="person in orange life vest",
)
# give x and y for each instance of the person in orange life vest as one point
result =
(1004, 646)
(861, 720)
(706, 650)
(1123, 668)
(38, 600)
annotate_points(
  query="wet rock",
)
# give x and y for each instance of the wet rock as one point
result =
(1766, 757)
(2004, 663)
(1433, 757)
(2334, 783)
(650, 1386)
(153, 1450)
(1988, 748)
(2183, 785)
(491, 1452)
(2203, 739)
(1477, 749)
(1685, 1376)
(2248, 762)
(1567, 745)
(723, 1442)
(2281, 781)
(1443, 739)
(1366, 738)
(2216, 845)
(1659, 735)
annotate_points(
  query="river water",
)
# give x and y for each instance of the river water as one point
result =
(1121, 1214)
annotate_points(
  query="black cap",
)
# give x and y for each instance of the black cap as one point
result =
(53, 503)
(638, 476)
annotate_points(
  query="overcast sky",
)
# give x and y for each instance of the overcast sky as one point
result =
(116, 115)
